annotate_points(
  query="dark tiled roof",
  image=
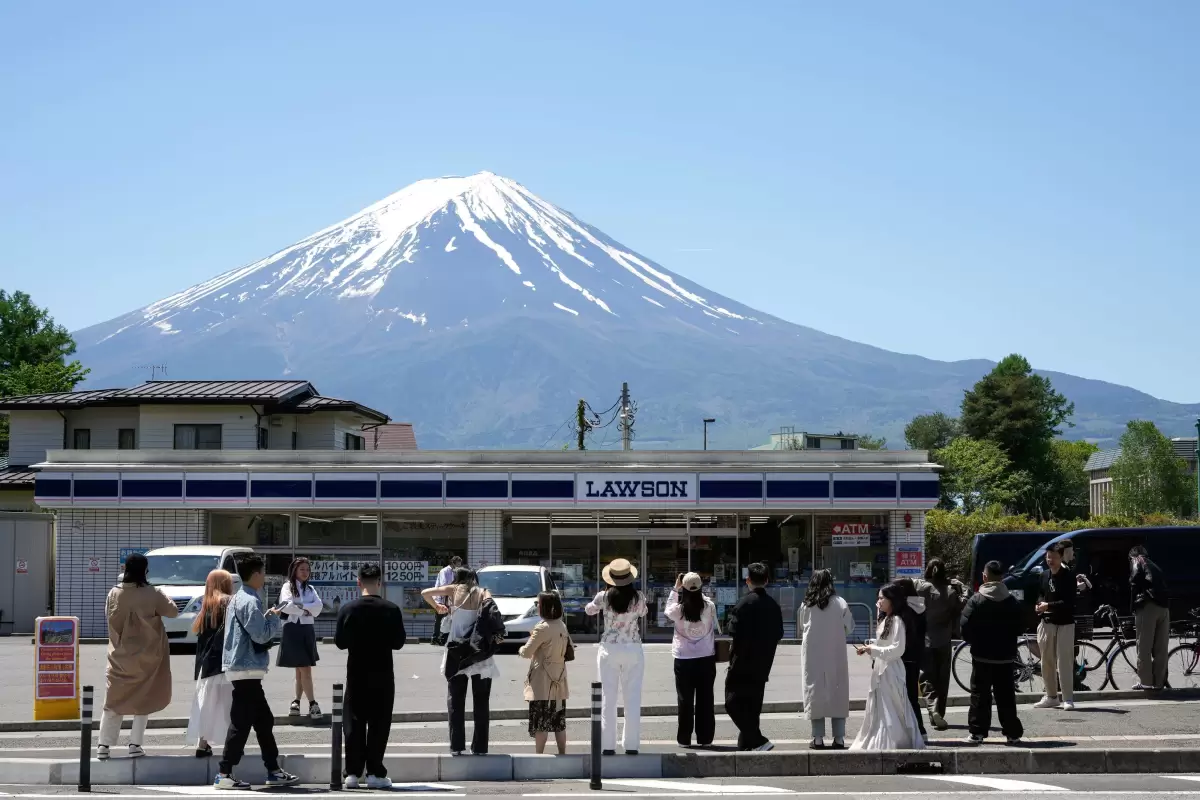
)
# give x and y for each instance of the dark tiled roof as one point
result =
(335, 404)
(216, 391)
(396, 436)
(1184, 448)
(16, 478)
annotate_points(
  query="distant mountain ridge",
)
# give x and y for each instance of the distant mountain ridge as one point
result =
(481, 313)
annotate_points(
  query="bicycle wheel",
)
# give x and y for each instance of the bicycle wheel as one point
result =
(1183, 667)
(962, 666)
(1028, 675)
(1122, 666)
(1088, 659)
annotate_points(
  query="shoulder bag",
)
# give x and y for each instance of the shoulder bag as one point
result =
(724, 647)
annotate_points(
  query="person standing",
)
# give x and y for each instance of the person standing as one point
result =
(369, 628)
(695, 651)
(756, 625)
(944, 600)
(546, 688)
(620, 661)
(1152, 618)
(889, 722)
(1056, 631)
(825, 622)
(248, 636)
(914, 649)
(138, 675)
(468, 660)
(444, 578)
(991, 624)
(299, 606)
(209, 720)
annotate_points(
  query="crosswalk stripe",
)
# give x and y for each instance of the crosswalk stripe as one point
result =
(1184, 777)
(706, 788)
(1001, 784)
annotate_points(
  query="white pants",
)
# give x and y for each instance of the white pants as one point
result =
(621, 666)
(110, 728)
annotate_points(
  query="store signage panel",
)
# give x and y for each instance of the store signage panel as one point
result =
(52, 489)
(910, 561)
(410, 489)
(851, 534)
(731, 489)
(346, 488)
(638, 488)
(56, 668)
(155, 488)
(543, 489)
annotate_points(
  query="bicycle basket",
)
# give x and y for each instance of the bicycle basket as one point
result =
(1128, 631)
(1085, 627)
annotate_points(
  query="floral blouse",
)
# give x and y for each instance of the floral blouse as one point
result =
(619, 628)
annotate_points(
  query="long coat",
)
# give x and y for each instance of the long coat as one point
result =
(824, 672)
(139, 661)
(547, 650)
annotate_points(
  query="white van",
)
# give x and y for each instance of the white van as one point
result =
(180, 573)
(515, 590)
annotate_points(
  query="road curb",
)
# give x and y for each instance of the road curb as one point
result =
(43, 726)
(190, 771)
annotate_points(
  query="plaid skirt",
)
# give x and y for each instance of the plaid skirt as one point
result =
(547, 716)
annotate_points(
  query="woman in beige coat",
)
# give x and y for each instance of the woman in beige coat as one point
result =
(546, 683)
(139, 660)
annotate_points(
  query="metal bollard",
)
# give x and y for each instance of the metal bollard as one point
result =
(335, 724)
(596, 692)
(85, 741)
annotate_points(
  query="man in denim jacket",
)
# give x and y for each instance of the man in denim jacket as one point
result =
(245, 659)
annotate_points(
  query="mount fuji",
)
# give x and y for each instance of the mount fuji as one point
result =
(482, 313)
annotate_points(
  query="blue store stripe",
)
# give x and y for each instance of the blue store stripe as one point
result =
(410, 490)
(346, 490)
(864, 490)
(96, 489)
(476, 490)
(289, 489)
(730, 490)
(216, 489)
(798, 490)
(920, 490)
(52, 487)
(541, 490)
(152, 489)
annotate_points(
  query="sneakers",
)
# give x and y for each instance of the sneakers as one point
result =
(102, 752)
(1013, 741)
(378, 783)
(765, 747)
(817, 744)
(294, 708)
(229, 782)
(1046, 702)
(1067, 706)
(351, 782)
(1138, 687)
(281, 778)
(973, 739)
(314, 711)
(136, 751)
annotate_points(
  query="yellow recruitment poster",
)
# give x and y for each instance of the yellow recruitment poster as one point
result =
(56, 668)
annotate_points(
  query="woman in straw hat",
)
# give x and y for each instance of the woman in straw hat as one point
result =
(620, 660)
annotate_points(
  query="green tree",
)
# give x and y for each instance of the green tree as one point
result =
(867, 442)
(977, 474)
(1147, 478)
(930, 431)
(1021, 412)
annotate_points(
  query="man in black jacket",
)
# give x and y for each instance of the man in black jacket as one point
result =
(756, 625)
(1152, 618)
(1056, 631)
(370, 628)
(991, 623)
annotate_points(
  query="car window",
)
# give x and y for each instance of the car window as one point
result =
(511, 583)
(179, 570)
(228, 564)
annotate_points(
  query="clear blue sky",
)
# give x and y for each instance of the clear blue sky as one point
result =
(954, 180)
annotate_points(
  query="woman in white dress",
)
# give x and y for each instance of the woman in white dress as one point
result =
(209, 721)
(825, 622)
(889, 722)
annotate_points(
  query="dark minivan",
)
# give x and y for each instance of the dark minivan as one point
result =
(1102, 554)
(1007, 547)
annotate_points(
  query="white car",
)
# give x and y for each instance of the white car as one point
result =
(515, 590)
(180, 573)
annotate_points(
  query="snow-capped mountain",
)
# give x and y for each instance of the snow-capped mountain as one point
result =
(481, 312)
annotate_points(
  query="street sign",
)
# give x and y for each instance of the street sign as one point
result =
(56, 668)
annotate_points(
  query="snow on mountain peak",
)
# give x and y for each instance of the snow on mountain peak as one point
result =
(436, 226)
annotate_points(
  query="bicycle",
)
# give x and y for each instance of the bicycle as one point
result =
(1183, 660)
(1027, 667)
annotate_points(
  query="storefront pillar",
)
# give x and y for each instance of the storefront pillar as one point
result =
(906, 544)
(485, 538)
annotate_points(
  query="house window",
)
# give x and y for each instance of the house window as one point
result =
(354, 442)
(127, 439)
(83, 439)
(814, 443)
(264, 439)
(197, 437)
(847, 444)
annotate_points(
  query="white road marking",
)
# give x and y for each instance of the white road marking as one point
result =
(1183, 777)
(707, 788)
(1000, 784)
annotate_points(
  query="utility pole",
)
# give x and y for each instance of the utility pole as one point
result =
(581, 424)
(626, 419)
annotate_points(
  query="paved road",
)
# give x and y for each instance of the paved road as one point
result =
(1127, 723)
(956, 787)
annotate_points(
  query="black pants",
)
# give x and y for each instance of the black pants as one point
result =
(912, 680)
(993, 681)
(368, 723)
(694, 679)
(249, 710)
(937, 677)
(456, 700)
(743, 703)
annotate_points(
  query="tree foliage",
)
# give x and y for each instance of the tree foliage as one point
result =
(868, 442)
(978, 474)
(1147, 478)
(930, 431)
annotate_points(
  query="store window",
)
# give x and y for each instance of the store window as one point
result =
(250, 530)
(277, 565)
(527, 540)
(855, 548)
(335, 579)
(416, 547)
(784, 543)
(348, 529)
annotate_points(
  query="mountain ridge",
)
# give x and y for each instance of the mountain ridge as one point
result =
(479, 311)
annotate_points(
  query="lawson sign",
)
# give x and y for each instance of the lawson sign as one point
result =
(605, 489)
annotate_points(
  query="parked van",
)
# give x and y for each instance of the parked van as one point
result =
(515, 589)
(1102, 554)
(180, 573)
(1008, 547)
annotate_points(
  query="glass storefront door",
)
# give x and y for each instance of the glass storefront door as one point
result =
(575, 570)
(666, 559)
